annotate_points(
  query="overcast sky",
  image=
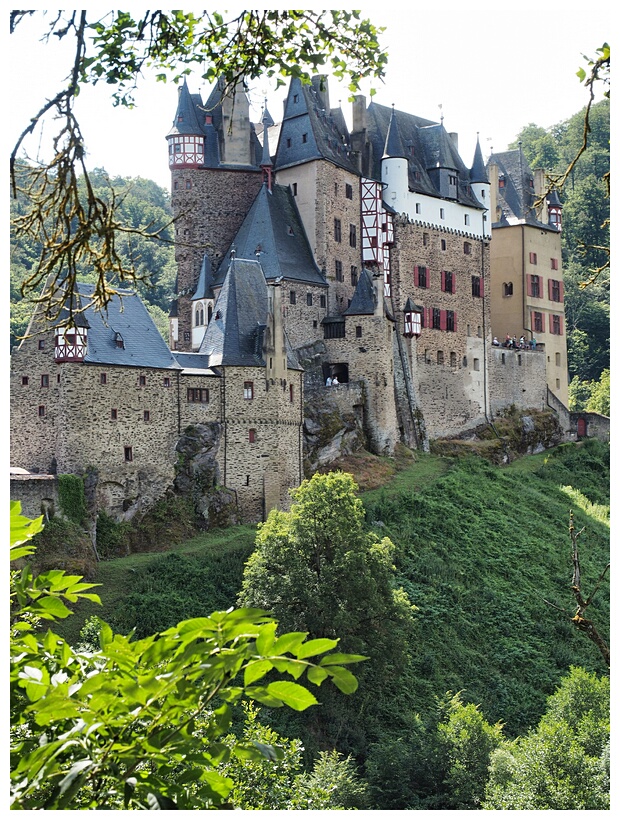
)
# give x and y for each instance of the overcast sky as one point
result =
(485, 70)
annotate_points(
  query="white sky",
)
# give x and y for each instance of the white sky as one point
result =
(492, 71)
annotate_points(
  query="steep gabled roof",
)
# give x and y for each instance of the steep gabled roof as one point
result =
(516, 197)
(425, 144)
(364, 299)
(204, 288)
(478, 172)
(235, 334)
(186, 120)
(273, 231)
(126, 319)
(311, 130)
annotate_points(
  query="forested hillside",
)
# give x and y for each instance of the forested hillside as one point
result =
(585, 245)
(482, 553)
(142, 205)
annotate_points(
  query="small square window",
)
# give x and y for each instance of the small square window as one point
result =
(41, 410)
(166, 381)
(309, 299)
(24, 380)
(418, 208)
(425, 239)
(252, 436)
(41, 344)
(248, 390)
(114, 414)
(128, 454)
(304, 138)
(294, 189)
(45, 380)
(293, 297)
(323, 300)
(142, 381)
(103, 378)
(349, 191)
(442, 213)
(466, 218)
(443, 245)
(467, 248)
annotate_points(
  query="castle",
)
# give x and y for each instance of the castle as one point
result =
(306, 253)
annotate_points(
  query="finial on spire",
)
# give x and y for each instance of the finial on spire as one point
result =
(441, 114)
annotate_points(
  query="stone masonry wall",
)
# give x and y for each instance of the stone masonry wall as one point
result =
(518, 378)
(304, 308)
(209, 207)
(262, 465)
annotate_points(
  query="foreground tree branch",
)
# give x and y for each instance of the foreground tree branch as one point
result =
(579, 620)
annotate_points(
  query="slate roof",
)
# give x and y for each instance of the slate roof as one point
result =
(363, 301)
(273, 229)
(314, 132)
(478, 171)
(234, 336)
(190, 119)
(516, 199)
(197, 363)
(425, 144)
(204, 287)
(126, 318)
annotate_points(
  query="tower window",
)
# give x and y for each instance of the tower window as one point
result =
(450, 320)
(309, 299)
(418, 208)
(443, 244)
(323, 300)
(554, 263)
(293, 297)
(41, 410)
(475, 286)
(142, 381)
(533, 258)
(45, 380)
(147, 415)
(348, 191)
(304, 138)
(103, 378)
(128, 454)
(114, 414)
(442, 213)
(337, 230)
(436, 319)
(339, 276)
(41, 344)
(25, 380)
(466, 219)
(352, 236)
(188, 184)
(425, 239)
(294, 189)
(467, 248)
(251, 435)
(248, 390)
(353, 274)
(508, 289)
(197, 395)
(358, 331)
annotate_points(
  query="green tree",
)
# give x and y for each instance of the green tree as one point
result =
(563, 764)
(318, 569)
(116, 727)
(600, 395)
(116, 48)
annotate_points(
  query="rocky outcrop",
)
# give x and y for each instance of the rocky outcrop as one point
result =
(329, 432)
(198, 476)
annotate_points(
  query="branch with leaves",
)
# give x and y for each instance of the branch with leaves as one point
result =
(116, 49)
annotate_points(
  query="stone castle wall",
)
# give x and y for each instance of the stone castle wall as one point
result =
(207, 219)
(518, 378)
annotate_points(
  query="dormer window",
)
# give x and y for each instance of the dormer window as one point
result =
(180, 118)
(208, 119)
(119, 341)
(501, 181)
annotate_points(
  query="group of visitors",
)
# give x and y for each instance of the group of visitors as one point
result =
(511, 342)
(330, 381)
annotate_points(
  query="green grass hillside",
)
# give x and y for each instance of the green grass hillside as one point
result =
(483, 551)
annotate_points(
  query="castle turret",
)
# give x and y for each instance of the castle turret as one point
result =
(186, 141)
(554, 209)
(394, 168)
(480, 185)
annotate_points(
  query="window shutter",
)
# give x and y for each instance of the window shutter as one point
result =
(429, 317)
(542, 318)
(455, 327)
(453, 283)
(442, 320)
(529, 284)
(550, 289)
(561, 291)
(416, 276)
(481, 287)
(533, 321)
(561, 325)
(443, 280)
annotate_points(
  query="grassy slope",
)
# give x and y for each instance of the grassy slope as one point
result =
(480, 549)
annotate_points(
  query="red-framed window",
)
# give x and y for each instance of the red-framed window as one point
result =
(534, 286)
(197, 395)
(421, 277)
(556, 324)
(556, 290)
(533, 258)
(538, 321)
(554, 263)
(448, 281)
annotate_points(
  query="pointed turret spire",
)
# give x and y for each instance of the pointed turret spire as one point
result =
(478, 171)
(393, 142)
(266, 163)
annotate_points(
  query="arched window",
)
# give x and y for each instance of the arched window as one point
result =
(200, 316)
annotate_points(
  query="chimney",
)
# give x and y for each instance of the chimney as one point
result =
(320, 85)
(359, 113)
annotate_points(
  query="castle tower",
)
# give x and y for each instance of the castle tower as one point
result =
(214, 157)
(394, 169)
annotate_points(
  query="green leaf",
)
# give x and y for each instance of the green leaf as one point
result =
(256, 670)
(292, 694)
(288, 642)
(341, 657)
(317, 675)
(315, 647)
(266, 638)
(22, 529)
(343, 679)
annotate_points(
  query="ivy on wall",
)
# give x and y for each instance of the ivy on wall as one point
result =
(71, 497)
